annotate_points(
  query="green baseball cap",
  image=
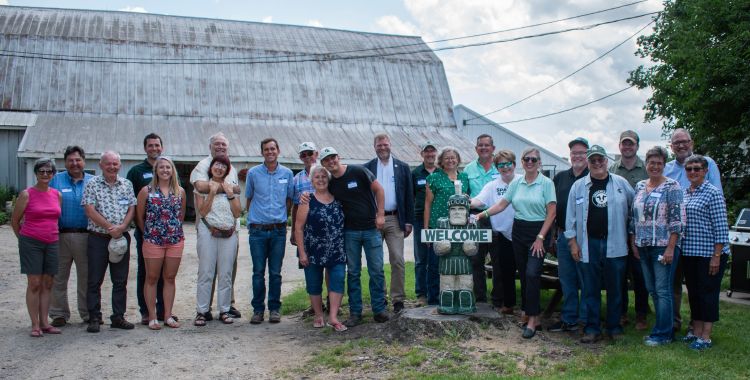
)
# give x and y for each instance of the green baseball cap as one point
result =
(596, 150)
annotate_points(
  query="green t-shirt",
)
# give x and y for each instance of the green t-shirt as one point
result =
(530, 200)
(635, 175)
(442, 188)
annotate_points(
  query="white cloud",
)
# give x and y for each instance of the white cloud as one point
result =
(489, 77)
(267, 19)
(394, 25)
(3, 2)
(133, 9)
(315, 23)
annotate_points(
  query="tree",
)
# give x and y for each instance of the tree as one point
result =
(700, 77)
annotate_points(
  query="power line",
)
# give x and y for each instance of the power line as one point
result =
(558, 112)
(563, 78)
(228, 61)
(180, 60)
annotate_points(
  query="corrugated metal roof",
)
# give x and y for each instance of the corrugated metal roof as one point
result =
(399, 90)
(186, 139)
(17, 119)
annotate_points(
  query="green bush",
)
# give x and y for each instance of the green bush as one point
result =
(6, 194)
(3, 218)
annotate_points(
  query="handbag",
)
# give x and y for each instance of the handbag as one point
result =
(217, 232)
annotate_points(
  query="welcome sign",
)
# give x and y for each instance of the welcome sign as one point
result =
(456, 236)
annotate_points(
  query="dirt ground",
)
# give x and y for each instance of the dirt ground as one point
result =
(239, 350)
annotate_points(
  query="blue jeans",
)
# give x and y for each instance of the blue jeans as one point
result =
(314, 278)
(267, 246)
(569, 272)
(372, 242)
(420, 260)
(612, 272)
(658, 279)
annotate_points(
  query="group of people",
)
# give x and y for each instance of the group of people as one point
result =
(656, 221)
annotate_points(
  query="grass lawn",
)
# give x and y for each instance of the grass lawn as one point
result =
(625, 359)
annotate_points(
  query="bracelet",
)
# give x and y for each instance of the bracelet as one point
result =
(231, 198)
(486, 214)
(540, 237)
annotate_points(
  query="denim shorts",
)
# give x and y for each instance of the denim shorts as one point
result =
(37, 257)
(314, 279)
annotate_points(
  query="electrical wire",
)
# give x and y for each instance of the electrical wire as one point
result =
(563, 78)
(558, 112)
(228, 61)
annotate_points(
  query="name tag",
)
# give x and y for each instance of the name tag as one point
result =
(148, 175)
(66, 190)
(283, 181)
(123, 202)
(153, 195)
(421, 182)
(494, 176)
(351, 185)
(580, 200)
(656, 195)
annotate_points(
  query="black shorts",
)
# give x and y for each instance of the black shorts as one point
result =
(37, 257)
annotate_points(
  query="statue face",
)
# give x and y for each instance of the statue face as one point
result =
(458, 215)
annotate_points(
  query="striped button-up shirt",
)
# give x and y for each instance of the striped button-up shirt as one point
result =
(706, 221)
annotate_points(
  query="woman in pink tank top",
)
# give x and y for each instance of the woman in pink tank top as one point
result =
(34, 222)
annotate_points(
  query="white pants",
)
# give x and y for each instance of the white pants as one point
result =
(215, 255)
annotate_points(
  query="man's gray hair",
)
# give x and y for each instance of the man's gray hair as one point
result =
(109, 153)
(681, 130)
(216, 136)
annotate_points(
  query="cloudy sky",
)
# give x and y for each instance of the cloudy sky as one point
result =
(483, 78)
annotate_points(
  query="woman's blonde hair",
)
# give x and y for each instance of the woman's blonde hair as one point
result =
(445, 150)
(174, 182)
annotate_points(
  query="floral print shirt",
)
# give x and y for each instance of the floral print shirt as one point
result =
(657, 213)
(163, 225)
(324, 233)
(111, 201)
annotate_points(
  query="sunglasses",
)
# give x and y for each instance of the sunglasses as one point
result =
(530, 159)
(306, 154)
(693, 168)
(45, 171)
(501, 165)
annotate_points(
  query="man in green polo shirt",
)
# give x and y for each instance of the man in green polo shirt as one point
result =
(481, 172)
(633, 169)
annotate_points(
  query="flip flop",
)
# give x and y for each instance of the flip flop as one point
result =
(338, 327)
(319, 323)
(154, 325)
(172, 322)
(36, 333)
(51, 330)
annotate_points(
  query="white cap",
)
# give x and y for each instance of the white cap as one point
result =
(327, 151)
(117, 248)
(305, 146)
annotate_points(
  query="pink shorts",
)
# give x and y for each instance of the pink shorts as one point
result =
(153, 251)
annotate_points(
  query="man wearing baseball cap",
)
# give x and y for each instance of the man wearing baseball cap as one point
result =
(598, 211)
(633, 169)
(568, 269)
(427, 277)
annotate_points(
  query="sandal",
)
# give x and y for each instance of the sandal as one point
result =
(154, 325)
(226, 318)
(338, 326)
(200, 320)
(319, 323)
(51, 330)
(36, 333)
(172, 322)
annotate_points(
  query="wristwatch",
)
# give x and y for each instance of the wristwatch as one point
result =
(540, 237)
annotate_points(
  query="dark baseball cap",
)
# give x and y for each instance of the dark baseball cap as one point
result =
(579, 140)
(630, 135)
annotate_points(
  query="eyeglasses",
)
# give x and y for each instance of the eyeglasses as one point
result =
(596, 160)
(680, 142)
(219, 165)
(306, 154)
(578, 154)
(45, 171)
(501, 165)
(530, 159)
(693, 168)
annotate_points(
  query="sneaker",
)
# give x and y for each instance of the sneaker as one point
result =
(93, 326)
(256, 319)
(353, 320)
(528, 333)
(591, 338)
(274, 317)
(381, 317)
(234, 313)
(689, 338)
(121, 323)
(398, 307)
(58, 322)
(700, 344)
(652, 341)
(561, 326)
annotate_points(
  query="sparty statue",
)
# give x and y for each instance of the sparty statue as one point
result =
(456, 283)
